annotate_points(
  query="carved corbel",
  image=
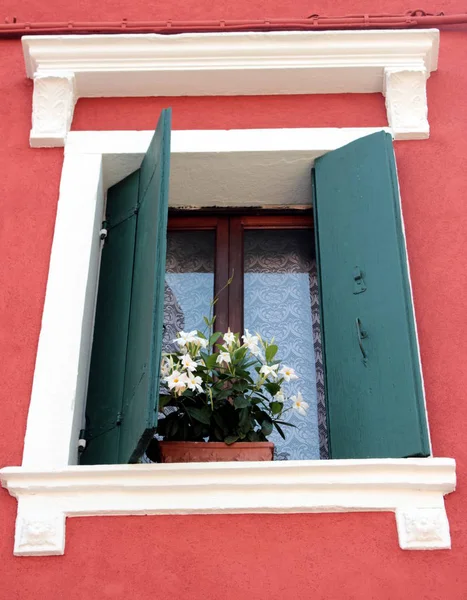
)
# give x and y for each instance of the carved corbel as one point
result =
(54, 100)
(406, 103)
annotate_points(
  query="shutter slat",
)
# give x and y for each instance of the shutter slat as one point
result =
(373, 380)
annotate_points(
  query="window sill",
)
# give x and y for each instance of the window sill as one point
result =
(411, 488)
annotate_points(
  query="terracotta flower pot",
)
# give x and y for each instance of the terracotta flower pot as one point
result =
(171, 452)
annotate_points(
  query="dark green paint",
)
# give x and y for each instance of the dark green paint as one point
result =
(141, 390)
(373, 382)
(124, 374)
(105, 391)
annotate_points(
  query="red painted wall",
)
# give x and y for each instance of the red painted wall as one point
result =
(349, 556)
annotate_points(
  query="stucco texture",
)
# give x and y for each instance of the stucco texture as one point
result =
(342, 556)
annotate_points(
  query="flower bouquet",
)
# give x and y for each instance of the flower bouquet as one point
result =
(224, 388)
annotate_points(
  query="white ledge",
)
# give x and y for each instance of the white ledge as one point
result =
(412, 488)
(396, 63)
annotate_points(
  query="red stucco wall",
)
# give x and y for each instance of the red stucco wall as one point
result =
(350, 556)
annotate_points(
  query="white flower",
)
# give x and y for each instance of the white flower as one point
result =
(288, 373)
(188, 363)
(184, 338)
(299, 404)
(194, 383)
(177, 381)
(229, 337)
(223, 357)
(267, 371)
(202, 342)
(279, 397)
(251, 342)
(255, 350)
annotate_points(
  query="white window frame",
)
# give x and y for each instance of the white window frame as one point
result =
(50, 486)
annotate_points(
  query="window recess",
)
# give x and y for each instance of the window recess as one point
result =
(372, 375)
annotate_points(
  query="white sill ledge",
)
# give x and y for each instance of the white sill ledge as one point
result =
(412, 488)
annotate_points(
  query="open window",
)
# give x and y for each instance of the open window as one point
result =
(374, 392)
(273, 292)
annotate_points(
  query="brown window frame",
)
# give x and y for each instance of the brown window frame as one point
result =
(229, 228)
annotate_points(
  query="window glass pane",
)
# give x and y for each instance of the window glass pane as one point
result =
(189, 282)
(281, 301)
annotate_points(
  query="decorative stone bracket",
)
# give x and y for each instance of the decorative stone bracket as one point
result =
(396, 63)
(53, 103)
(412, 488)
(406, 102)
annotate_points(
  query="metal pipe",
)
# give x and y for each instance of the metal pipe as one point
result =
(412, 19)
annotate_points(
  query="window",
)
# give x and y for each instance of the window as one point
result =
(274, 291)
(374, 392)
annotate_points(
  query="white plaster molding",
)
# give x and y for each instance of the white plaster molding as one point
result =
(412, 488)
(423, 528)
(255, 63)
(406, 102)
(53, 104)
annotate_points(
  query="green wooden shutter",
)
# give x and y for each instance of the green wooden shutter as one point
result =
(121, 410)
(374, 389)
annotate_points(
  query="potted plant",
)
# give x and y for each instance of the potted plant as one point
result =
(221, 397)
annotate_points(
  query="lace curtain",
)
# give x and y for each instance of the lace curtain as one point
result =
(281, 301)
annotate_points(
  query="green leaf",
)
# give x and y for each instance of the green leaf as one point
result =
(272, 387)
(240, 386)
(287, 424)
(240, 353)
(172, 426)
(279, 429)
(230, 439)
(253, 436)
(241, 402)
(271, 352)
(266, 427)
(276, 407)
(210, 360)
(200, 334)
(244, 422)
(249, 364)
(164, 400)
(203, 415)
(214, 337)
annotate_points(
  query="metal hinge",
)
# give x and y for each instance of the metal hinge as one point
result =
(82, 441)
(104, 231)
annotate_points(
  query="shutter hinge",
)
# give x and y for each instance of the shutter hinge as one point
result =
(119, 419)
(104, 231)
(82, 441)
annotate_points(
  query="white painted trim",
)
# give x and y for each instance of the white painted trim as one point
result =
(394, 62)
(48, 489)
(412, 488)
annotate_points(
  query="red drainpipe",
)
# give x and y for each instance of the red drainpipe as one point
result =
(411, 19)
